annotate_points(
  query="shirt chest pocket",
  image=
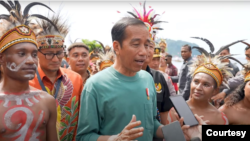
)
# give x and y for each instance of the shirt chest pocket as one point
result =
(148, 109)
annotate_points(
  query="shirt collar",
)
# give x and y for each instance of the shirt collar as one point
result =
(185, 61)
(42, 74)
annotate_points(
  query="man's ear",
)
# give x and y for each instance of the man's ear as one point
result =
(116, 47)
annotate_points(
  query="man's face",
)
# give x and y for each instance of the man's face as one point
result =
(247, 53)
(162, 49)
(150, 53)
(224, 53)
(54, 63)
(155, 63)
(79, 59)
(185, 53)
(133, 52)
(168, 60)
(20, 61)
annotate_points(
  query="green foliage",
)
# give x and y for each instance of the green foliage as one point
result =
(174, 47)
(92, 44)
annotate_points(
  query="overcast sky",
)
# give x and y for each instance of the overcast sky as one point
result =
(219, 22)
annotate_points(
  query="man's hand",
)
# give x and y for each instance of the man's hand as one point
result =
(195, 131)
(191, 132)
(219, 97)
(129, 132)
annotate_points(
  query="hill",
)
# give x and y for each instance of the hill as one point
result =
(174, 47)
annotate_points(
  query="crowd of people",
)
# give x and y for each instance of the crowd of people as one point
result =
(50, 92)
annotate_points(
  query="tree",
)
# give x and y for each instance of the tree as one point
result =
(93, 45)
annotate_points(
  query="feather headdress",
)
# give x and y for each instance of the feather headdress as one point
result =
(246, 71)
(163, 43)
(52, 33)
(106, 58)
(148, 17)
(215, 59)
(212, 66)
(211, 46)
(14, 27)
(238, 94)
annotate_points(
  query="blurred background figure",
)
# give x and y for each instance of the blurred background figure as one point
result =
(79, 59)
(107, 48)
(163, 53)
(184, 79)
(234, 67)
(93, 56)
(171, 70)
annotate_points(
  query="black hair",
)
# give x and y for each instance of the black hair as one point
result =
(227, 50)
(169, 55)
(236, 96)
(247, 47)
(118, 30)
(188, 46)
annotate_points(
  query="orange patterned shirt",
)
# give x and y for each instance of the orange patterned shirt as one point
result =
(68, 100)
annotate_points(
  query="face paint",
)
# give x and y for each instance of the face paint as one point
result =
(30, 76)
(13, 67)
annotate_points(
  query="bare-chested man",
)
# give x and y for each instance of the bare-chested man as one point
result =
(26, 114)
(207, 78)
(237, 104)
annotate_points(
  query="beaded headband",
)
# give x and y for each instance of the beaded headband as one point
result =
(19, 34)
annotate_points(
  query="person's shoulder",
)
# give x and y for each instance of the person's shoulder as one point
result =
(101, 75)
(227, 110)
(174, 66)
(189, 62)
(143, 73)
(219, 115)
(145, 76)
(44, 95)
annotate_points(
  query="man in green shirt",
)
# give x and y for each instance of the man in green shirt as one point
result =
(111, 97)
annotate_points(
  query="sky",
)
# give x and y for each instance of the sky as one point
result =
(219, 22)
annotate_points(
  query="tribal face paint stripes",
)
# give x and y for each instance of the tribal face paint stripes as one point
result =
(13, 67)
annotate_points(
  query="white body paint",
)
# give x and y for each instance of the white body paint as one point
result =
(22, 133)
(34, 133)
(30, 76)
(18, 98)
(24, 128)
